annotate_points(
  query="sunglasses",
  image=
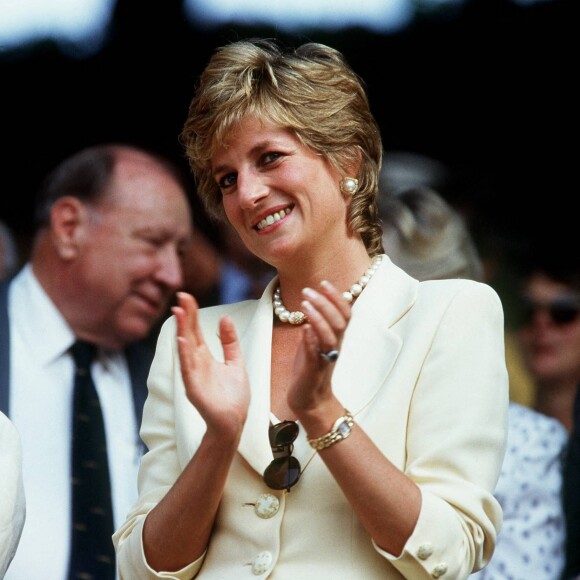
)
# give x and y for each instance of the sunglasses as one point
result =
(284, 471)
(561, 311)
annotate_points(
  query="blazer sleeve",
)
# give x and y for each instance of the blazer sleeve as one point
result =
(160, 466)
(457, 428)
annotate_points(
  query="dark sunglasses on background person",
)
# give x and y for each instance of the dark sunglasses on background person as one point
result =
(562, 311)
(284, 470)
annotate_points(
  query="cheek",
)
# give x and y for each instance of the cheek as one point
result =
(571, 342)
(231, 207)
(233, 214)
(126, 268)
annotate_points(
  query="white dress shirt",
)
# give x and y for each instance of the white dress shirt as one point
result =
(531, 541)
(12, 500)
(41, 390)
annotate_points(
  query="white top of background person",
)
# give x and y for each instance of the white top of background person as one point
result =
(13, 502)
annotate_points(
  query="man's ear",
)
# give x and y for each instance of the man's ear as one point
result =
(68, 220)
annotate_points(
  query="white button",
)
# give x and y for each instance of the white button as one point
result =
(424, 551)
(439, 570)
(266, 506)
(261, 563)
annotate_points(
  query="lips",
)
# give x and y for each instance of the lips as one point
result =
(274, 217)
(154, 306)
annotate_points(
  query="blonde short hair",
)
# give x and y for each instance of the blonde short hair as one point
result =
(310, 90)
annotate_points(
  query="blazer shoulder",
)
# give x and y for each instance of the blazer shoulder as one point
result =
(451, 289)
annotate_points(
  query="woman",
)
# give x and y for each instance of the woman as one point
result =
(348, 434)
(550, 330)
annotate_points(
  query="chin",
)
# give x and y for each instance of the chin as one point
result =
(138, 330)
(546, 372)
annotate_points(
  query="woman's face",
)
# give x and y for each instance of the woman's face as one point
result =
(551, 333)
(281, 197)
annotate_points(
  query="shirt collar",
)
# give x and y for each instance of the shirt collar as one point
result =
(37, 319)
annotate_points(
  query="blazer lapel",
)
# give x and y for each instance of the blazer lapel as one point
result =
(370, 348)
(256, 345)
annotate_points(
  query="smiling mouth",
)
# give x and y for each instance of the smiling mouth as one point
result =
(154, 306)
(273, 218)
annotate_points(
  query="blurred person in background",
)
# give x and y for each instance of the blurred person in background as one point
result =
(9, 261)
(550, 328)
(429, 239)
(113, 222)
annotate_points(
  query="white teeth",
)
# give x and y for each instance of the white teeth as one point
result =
(275, 217)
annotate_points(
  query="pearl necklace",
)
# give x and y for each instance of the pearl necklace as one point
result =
(298, 317)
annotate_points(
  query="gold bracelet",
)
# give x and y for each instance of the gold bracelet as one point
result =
(340, 430)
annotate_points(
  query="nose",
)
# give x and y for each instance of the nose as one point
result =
(251, 189)
(170, 272)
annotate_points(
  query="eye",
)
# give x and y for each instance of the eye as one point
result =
(155, 242)
(227, 180)
(183, 249)
(271, 157)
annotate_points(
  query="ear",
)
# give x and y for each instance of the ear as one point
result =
(68, 222)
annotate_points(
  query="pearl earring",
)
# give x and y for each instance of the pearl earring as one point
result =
(348, 185)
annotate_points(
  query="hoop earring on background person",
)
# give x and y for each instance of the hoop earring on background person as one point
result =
(348, 185)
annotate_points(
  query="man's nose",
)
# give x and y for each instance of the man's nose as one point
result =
(170, 271)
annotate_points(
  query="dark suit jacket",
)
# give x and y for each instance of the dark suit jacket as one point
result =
(139, 356)
(572, 497)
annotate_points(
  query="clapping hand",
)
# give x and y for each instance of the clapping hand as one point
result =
(328, 315)
(219, 391)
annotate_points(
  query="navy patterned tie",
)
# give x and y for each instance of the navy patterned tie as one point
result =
(92, 551)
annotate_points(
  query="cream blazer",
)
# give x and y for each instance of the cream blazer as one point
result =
(422, 369)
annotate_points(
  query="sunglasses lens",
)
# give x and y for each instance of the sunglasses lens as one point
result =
(561, 310)
(563, 313)
(283, 433)
(282, 473)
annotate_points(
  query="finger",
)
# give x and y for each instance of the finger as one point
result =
(331, 304)
(229, 340)
(188, 326)
(181, 312)
(336, 297)
(326, 336)
(311, 343)
(328, 321)
(186, 358)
